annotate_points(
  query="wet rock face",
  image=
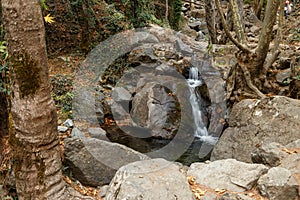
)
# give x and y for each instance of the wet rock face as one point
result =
(154, 86)
(256, 122)
(154, 107)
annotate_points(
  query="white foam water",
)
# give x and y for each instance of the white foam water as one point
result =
(200, 128)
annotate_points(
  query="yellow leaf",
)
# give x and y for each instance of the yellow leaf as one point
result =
(251, 194)
(220, 191)
(191, 180)
(49, 19)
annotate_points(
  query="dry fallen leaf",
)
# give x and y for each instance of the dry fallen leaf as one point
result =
(288, 151)
(49, 19)
(191, 180)
(220, 191)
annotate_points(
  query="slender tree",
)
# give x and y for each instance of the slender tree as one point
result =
(32, 118)
(211, 20)
(248, 77)
(3, 122)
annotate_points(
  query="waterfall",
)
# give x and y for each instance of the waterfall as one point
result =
(195, 100)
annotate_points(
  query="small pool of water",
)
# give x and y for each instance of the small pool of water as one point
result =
(146, 145)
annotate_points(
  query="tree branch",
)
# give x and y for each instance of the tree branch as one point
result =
(242, 47)
(237, 21)
(266, 34)
(275, 51)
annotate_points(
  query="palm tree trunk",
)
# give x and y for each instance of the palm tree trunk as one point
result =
(3, 123)
(33, 121)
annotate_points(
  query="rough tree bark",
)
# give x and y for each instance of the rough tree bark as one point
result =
(32, 118)
(3, 122)
(258, 5)
(211, 20)
(248, 77)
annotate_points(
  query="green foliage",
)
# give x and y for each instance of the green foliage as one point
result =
(175, 15)
(44, 5)
(3, 68)
(248, 1)
(114, 22)
(62, 93)
(296, 34)
(289, 80)
(140, 12)
(116, 70)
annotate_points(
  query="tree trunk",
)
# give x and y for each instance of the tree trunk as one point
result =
(3, 123)
(33, 121)
(258, 5)
(237, 14)
(247, 78)
(210, 20)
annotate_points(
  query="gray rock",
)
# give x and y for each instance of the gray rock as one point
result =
(255, 122)
(195, 25)
(102, 191)
(198, 13)
(227, 174)
(294, 144)
(269, 154)
(255, 29)
(144, 37)
(69, 123)
(231, 196)
(98, 133)
(184, 9)
(151, 108)
(151, 179)
(200, 36)
(142, 54)
(62, 129)
(76, 133)
(292, 163)
(165, 51)
(209, 196)
(94, 162)
(183, 48)
(120, 94)
(283, 75)
(278, 183)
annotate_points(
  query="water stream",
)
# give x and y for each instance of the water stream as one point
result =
(200, 131)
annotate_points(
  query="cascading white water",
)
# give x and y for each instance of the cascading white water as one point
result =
(200, 128)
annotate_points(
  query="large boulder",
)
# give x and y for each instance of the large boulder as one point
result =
(285, 174)
(155, 107)
(270, 154)
(255, 122)
(94, 162)
(227, 174)
(279, 183)
(292, 160)
(149, 179)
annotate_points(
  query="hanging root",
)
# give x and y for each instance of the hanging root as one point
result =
(250, 84)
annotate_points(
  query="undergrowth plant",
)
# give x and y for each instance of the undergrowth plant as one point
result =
(4, 68)
(62, 94)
